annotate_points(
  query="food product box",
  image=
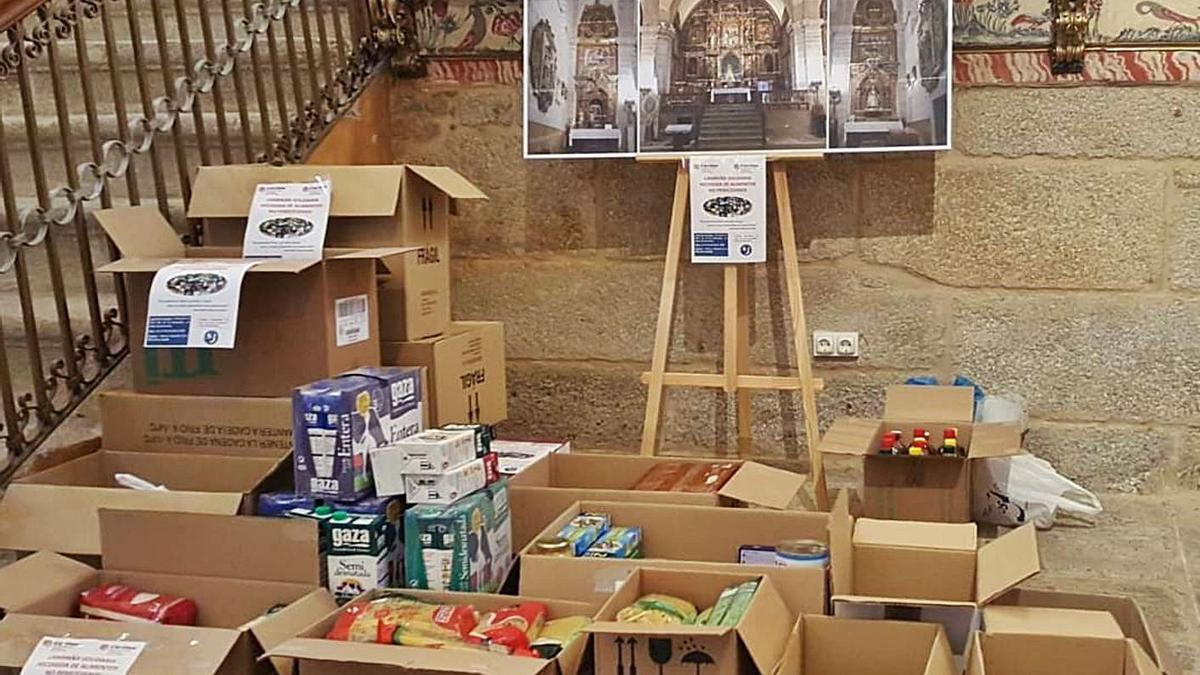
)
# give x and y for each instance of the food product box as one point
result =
(467, 380)
(548, 486)
(516, 456)
(678, 536)
(1041, 641)
(447, 487)
(361, 555)
(823, 645)
(216, 425)
(928, 488)
(437, 451)
(298, 320)
(674, 649)
(466, 546)
(339, 421)
(393, 205)
(236, 569)
(484, 435)
(315, 655)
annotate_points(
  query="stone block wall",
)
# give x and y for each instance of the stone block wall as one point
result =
(1054, 255)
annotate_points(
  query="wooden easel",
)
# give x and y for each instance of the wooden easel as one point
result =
(736, 378)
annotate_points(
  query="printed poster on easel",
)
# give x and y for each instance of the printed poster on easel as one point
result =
(729, 209)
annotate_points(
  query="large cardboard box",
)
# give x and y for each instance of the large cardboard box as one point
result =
(314, 655)
(400, 205)
(761, 634)
(287, 332)
(467, 379)
(1039, 641)
(235, 568)
(931, 487)
(676, 536)
(823, 645)
(216, 425)
(544, 489)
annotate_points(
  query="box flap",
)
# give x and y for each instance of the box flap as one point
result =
(918, 402)
(140, 232)
(275, 628)
(63, 518)
(975, 655)
(941, 656)
(412, 658)
(763, 485)
(135, 265)
(762, 627)
(379, 253)
(849, 436)
(1050, 621)
(1006, 562)
(913, 534)
(227, 191)
(1137, 661)
(841, 548)
(200, 544)
(31, 583)
(851, 598)
(618, 628)
(994, 440)
(448, 181)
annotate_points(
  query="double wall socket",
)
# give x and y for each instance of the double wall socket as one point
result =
(827, 344)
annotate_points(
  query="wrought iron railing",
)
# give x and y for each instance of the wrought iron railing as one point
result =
(111, 102)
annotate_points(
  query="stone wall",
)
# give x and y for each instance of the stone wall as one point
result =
(1055, 254)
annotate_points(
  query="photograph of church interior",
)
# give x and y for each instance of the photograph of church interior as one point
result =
(889, 74)
(580, 70)
(732, 75)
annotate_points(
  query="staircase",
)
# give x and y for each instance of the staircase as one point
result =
(732, 126)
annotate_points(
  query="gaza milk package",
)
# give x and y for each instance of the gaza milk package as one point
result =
(464, 546)
(338, 421)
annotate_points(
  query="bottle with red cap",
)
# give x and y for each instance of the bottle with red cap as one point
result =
(920, 443)
(887, 445)
(950, 442)
(898, 447)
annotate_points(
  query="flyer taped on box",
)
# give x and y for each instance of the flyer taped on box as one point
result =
(288, 220)
(195, 304)
(64, 656)
(729, 209)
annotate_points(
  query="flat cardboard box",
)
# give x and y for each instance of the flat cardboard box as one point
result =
(927, 488)
(515, 456)
(399, 205)
(287, 321)
(823, 645)
(235, 568)
(546, 488)
(466, 366)
(1042, 641)
(761, 634)
(314, 655)
(212, 425)
(57, 509)
(676, 536)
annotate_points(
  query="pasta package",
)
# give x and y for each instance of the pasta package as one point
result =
(658, 609)
(403, 620)
(557, 634)
(118, 602)
(512, 629)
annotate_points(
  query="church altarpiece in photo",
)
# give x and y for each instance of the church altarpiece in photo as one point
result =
(728, 42)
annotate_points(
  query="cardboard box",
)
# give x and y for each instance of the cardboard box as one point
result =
(215, 425)
(234, 568)
(516, 456)
(315, 655)
(676, 536)
(547, 487)
(448, 487)
(467, 380)
(822, 645)
(1039, 641)
(57, 509)
(927, 488)
(466, 546)
(399, 205)
(761, 634)
(287, 332)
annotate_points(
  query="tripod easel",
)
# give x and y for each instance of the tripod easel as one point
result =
(736, 377)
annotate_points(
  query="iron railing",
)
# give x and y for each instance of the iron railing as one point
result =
(112, 102)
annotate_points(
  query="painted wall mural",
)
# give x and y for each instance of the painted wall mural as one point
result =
(1026, 23)
(469, 27)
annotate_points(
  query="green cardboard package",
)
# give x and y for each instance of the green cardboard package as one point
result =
(464, 546)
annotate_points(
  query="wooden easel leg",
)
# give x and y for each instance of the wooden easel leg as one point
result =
(745, 306)
(666, 307)
(808, 394)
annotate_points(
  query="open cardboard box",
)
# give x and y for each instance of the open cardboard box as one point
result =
(287, 332)
(547, 487)
(927, 488)
(1042, 641)
(676, 536)
(398, 205)
(235, 568)
(315, 655)
(753, 646)
(823, 645)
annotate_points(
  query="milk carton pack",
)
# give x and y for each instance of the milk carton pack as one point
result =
(361, 554)
(466, 546)
(337, 422)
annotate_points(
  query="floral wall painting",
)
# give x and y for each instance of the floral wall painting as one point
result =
(1026, 23)
(469, 27)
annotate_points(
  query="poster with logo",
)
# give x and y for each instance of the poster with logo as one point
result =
(287, 220)
(82, 656)
(729, 209)
(194, 303)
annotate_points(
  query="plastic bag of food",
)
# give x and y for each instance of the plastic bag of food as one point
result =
(658, 609)
(557, 634)
(403, 620)
(118, 602)
(512, 629)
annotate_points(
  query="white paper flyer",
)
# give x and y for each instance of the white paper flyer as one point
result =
(729, 209)
(194, 303)
(287, 220)
(82, 656)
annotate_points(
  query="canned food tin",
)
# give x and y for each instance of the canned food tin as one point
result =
(555, 547)
(801, 553)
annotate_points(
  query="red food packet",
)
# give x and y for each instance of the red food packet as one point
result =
(401, 619)
(510, 630)
(118, 602)
(491, 467)
(706, 478)
(662, 477)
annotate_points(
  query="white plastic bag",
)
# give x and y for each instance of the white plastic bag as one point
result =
(1026, 489)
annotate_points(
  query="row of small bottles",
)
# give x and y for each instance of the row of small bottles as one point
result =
(893, 443)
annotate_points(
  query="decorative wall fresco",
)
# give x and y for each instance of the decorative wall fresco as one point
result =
(1026, 23)
(1140, 66)
(469, 27)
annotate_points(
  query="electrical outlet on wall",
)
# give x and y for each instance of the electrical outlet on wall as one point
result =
(827, 344)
